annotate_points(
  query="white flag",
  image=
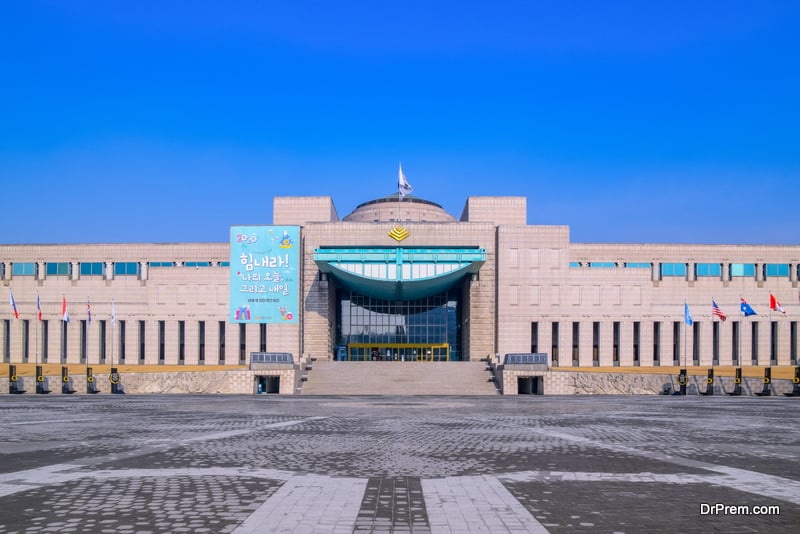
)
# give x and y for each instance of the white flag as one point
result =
(403, 186)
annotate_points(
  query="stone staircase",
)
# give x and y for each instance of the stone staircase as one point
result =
(398, 378)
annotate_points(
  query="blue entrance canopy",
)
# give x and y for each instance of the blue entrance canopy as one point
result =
(399, 273)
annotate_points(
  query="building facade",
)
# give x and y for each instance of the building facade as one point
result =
(406, 280)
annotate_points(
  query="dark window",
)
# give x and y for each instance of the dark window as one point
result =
(84, 340)
(596, 343)
(6, 340)
(754, 343)
(554, 344)
(201, 341)
(534, 337)
(141, 342)
(576, 336)
(715, 343)
(25, 340)
(696, 343)
(121, 357)
(102, 326)
(222, 342)
(242, 343)
(736, 341)
(181, 342)
(162, 348)
(616, 343)
(793, 343)
(773, 343)
(45, 340)
(262, 337)
(64, 326)
(676, 343)
(656, 342)
(637, 335)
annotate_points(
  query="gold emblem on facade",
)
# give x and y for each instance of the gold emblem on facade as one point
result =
(399, 233)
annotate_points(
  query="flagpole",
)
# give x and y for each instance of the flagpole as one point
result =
(37, 330)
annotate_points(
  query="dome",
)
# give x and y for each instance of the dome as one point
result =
(413, 209)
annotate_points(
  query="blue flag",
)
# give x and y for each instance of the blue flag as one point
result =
(687, 315)
(745, 308)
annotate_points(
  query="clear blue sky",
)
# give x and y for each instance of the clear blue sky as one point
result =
(641, 121)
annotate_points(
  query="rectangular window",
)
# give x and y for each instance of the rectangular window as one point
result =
(602, 264)
(793, 343)
(574, 264)
(84, 340)
(554, 344)
(162, 340)
(596, 343)
(222, 342)
(776, 270)
(197, 264)
(91, 268)
(6, 340)
(201, 341)
(262, 337)
(743, 270)
(27, 268)
(45, 338)
(736, 339)
(58, 269)
(713, 270)
(656, 342)
(25, 340)
(637, 265)
(637, 333)
(126, 268)
(696, 343)
(615, 346)
(101, 324)
(773, 343)
(121, 357)
(242, 343)
(534, 337)
(754, 343)
(576, 336)
(64, 326)
(141, 342)
(224, 264)
(673, 269)
(159, 264)
(676, 343)
(181, 342)
(715, 342)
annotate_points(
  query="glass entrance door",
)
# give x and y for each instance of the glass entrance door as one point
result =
(397, 352)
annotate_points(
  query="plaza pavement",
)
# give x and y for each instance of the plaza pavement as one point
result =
(262, 464)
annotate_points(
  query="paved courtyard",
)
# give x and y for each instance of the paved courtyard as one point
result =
(248, 464)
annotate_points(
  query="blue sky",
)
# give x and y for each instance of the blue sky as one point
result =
(652, 122)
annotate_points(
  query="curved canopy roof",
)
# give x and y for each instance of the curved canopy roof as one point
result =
(399, 273)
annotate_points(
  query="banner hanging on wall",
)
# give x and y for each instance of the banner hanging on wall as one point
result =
(265, 263)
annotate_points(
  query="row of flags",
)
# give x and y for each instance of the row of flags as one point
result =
(744, 308)
(64, 309)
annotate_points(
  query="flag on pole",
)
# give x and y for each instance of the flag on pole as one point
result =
(687, 315)
(745, 308)
(716, 311)
(88, 312)
(774, 305)
(64, 311)
(113, 314)
(403, 187)
(38, 308)
(13, 304)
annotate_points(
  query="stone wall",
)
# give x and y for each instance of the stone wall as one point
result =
(577, 383)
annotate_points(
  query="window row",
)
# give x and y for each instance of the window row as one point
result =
(115, 344)
(700, 270)
(97, 268)
(668, 343)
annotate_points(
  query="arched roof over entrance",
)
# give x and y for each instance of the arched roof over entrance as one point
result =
(399, 273)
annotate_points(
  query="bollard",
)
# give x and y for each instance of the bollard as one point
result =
(15, 383)
(41, 381)
(710, 381)
(66, 381)
(737, 383)
(91, 385)
(766, 391)
(795, 384)
(683, 379)
(116, 382)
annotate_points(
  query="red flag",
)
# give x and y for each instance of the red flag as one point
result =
(775, 305)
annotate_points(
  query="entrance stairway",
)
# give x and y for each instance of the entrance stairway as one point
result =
(398, 378)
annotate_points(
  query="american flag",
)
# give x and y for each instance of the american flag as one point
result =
(716, 311)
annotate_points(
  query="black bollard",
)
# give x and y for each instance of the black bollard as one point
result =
(795, 384)
(41, 381)
(91, 385)
(116, 381)
(766, 391)
(66, 381)
(710, 381)
(16, 386)
(683, 379)
(737, 383)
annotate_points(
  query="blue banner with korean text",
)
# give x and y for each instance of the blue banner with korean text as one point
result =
(265, 262)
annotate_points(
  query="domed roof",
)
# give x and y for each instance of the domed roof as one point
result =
(384, 209)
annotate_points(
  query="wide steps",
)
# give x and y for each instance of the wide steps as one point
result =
(398, 378)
